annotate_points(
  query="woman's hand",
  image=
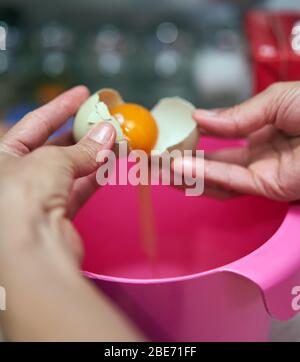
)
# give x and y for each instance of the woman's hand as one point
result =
(269, 164)
(42, 186)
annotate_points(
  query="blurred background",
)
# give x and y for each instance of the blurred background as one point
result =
(146, 49)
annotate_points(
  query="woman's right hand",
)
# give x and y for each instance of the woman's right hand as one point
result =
(269, 164)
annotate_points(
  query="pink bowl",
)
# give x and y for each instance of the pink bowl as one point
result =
(223, 268)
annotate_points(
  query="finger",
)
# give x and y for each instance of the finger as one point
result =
(205, 132)
(83, 155)
(231, 177)
(237, 155)
(63, 165)
(65, 139)
(263, 136)
(212, 191)
(37, 126)
(245, 118)
(83, 189)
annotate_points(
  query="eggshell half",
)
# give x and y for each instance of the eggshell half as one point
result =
(96, 109)
(177, 128)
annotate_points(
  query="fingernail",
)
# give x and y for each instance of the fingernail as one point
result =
(102, 133)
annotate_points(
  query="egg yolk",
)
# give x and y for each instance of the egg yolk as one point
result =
(138, 126)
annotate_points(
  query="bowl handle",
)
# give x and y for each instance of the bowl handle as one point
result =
(275, 267)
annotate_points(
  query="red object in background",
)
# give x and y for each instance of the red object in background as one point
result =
(274, 39)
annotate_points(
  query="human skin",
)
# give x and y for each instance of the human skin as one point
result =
(41, 188)
(269, 163)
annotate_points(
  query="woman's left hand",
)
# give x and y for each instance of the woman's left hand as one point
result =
(42, 185)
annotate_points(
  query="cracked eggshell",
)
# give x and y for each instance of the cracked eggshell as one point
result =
(96, 109)
(110, 97)
(177, 130)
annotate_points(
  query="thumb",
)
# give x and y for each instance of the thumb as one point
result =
(83, 155)
(244, 118)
